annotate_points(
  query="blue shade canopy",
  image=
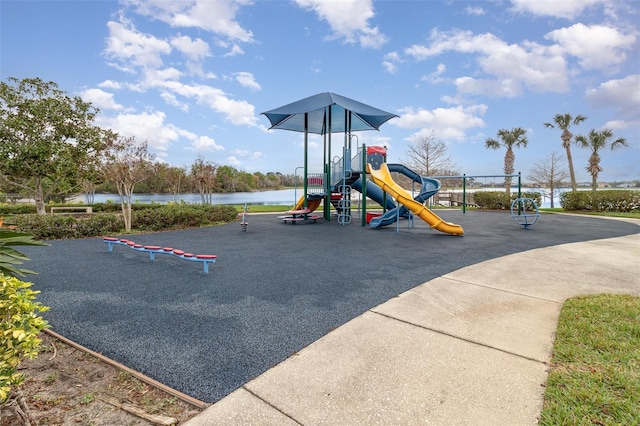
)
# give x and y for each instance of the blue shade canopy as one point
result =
(346, 115)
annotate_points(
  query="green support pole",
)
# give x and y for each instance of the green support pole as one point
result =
(364, 184)
(384, 193)
(464, 193)
(327, 165)
(519, 193)
(306, 143)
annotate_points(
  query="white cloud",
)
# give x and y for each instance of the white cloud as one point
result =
(170, 99)
(512, 67)
(147, 126)
(474, 10)
(217, 16)
(622, 94)
(435, 77)
(205, 143)
(233, 161)
(131, 49)
(349, 19)
(110, 84)
(100, 99)
(449, 123)
(240, 152)
(567, 9)
(236, 112)
(235, 50)
(390, 61)
(622, 125)
(245, 153)
(596, 46)
(156, 78)
(151, 127)
(195, 50)
(246, 79)
(390, 67)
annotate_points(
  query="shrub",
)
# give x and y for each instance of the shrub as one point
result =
(20, 326)
(22, 208)
(492, 199)
(500, 200)
(177, 216)
(147, 217)
(54, 227)
(608, 200)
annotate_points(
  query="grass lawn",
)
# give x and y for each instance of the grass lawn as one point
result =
(633, 214)
(595, 370)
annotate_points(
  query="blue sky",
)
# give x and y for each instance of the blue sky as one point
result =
(191, 77)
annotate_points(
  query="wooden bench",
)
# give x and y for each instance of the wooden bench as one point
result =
(205, 259)
(71, 210)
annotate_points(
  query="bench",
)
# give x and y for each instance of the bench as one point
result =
(205, 259)
(71, 210)
(295, 219)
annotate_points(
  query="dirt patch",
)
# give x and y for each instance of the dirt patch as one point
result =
(67, 386)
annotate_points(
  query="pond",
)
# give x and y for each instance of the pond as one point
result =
(279, 197)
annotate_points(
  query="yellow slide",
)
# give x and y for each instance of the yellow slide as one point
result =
(312, 205)
(383, 179)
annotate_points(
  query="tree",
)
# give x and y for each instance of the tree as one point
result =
(508, 138)
(203, 176)
(127, 163)
(226, 179)
(173, 176)
(564, 121)
(428, 157)
(596, 141)
(549, 173)
(44, 137)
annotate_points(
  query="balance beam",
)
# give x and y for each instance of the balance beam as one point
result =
(205, 259)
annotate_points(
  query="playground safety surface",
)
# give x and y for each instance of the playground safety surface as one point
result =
(273, 291)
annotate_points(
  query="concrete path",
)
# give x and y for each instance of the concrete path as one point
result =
(468, 348)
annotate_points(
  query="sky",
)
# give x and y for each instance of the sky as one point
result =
(192, 77)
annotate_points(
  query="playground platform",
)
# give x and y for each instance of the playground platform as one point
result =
(331, 324)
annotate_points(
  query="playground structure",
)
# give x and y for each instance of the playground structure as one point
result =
(326, 113)
(351, 174)
(205, 259)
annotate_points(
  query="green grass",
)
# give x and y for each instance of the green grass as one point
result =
(260, 208)
(257, 208)
(595, 370)
(632, 215)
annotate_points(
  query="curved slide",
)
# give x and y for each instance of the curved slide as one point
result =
(374, 192)
(312, 204)
(383, 178)
(428, 188)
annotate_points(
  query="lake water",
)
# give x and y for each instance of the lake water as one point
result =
(279, 197)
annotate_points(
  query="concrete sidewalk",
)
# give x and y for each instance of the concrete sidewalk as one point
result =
(468, 348)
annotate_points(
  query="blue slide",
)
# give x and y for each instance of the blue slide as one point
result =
(428, 188)
(374, 192)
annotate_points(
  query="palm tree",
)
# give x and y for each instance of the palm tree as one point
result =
(508, 138)
(564, 121)
(597, 140)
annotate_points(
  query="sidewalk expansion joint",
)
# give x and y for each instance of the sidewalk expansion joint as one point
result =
(271, 405)
(473, 342)
(555, 302)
